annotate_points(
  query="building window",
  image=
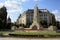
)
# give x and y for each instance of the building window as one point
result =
(41, 15)
(45, 14)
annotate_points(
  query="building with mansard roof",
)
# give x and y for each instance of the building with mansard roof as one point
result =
(43, 14)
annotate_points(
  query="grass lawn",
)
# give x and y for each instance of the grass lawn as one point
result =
(36, 33)
(44, 33)
(31, 33)
(4, 32)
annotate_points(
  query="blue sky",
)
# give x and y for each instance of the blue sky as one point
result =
(17, 7)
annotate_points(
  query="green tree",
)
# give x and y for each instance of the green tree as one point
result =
(23, 25)
(44, 23)
(57, 24)
(3, 18)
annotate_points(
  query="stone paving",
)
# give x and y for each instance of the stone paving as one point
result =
(10, 38)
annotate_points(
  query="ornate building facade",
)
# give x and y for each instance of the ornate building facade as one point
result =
(43, 14)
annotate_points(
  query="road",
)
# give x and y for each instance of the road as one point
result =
(10, 38)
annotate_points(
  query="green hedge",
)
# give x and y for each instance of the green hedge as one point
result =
(35, 34)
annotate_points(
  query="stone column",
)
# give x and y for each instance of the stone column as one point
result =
(35, 19)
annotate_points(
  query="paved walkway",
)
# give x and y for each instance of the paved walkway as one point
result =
(7, 38)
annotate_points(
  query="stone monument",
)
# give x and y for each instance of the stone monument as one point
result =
(35, 25)
(13, 28)
(52, 28)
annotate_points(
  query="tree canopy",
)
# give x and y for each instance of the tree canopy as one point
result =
(3, 17)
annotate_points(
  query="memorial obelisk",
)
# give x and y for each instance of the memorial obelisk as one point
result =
(35, 19)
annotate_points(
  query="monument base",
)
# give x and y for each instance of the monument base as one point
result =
(35, 26)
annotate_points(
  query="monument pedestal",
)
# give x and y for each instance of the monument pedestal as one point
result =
(35, 26)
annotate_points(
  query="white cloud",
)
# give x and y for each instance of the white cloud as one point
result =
(57, 18)
(10, 3)
(12, 6)
(55, 12)
(1, 5)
